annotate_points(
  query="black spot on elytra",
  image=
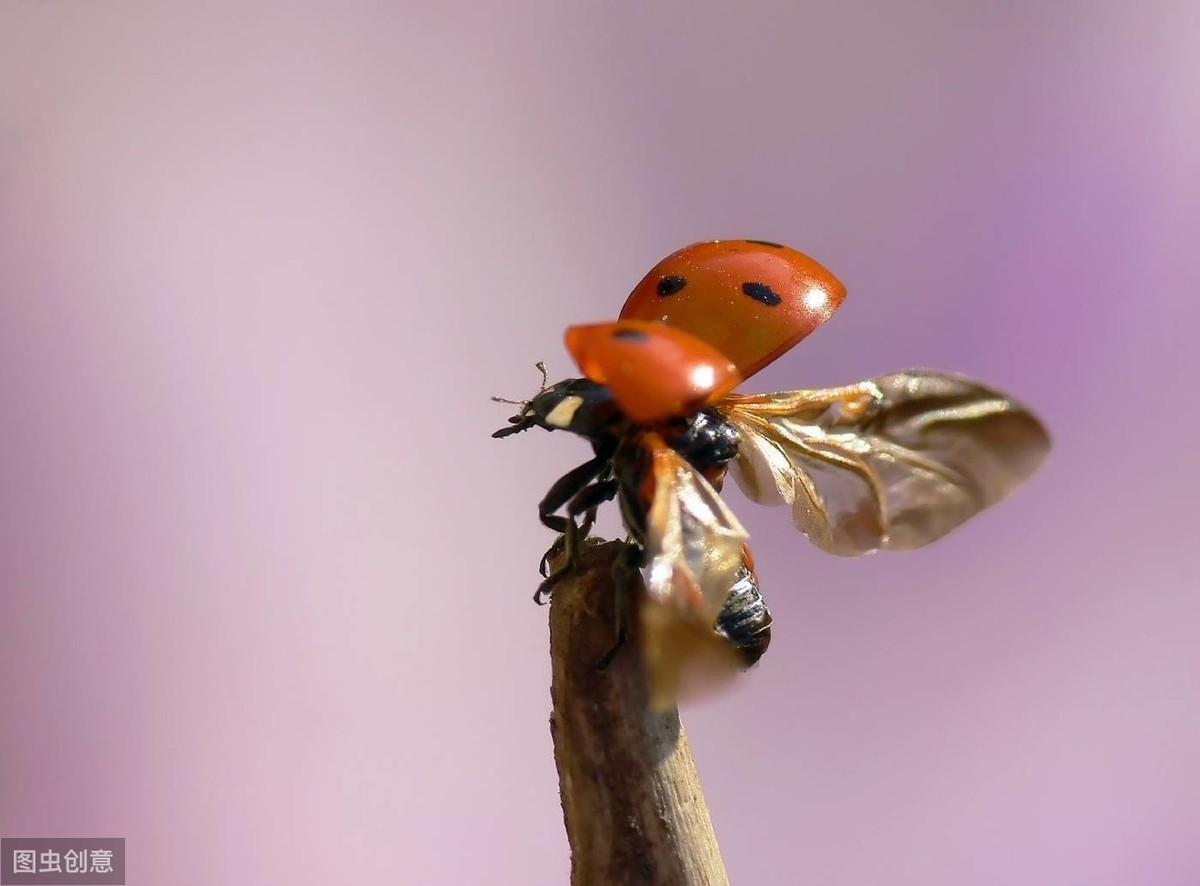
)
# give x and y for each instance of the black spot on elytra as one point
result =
(670, 285)
(761, 292)
(630, 335)
(768, 243)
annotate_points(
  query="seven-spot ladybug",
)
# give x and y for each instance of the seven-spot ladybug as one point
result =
(892, 463)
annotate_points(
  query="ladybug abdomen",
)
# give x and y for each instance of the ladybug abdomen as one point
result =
(744, 619)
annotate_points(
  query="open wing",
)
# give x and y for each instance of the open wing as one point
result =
(693, 545)
(892, 463)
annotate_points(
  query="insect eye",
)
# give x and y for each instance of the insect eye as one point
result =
(670, 285)
(761, 292)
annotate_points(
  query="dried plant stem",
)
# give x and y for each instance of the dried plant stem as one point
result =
(631, 798)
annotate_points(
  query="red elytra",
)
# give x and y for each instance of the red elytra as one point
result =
(749, 299)
(654, 372)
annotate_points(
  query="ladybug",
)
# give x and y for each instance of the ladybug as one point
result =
(646, 465)
(892, 463)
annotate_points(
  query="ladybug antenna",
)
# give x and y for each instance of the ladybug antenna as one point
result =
(523, 420)
(541, 367)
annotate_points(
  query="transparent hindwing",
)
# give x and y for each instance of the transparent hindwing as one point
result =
(891, 463)
(693, 546)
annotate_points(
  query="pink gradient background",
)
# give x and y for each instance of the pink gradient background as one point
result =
(265, 578)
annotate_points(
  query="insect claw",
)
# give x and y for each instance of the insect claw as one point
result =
(552, 553)
(542, 595)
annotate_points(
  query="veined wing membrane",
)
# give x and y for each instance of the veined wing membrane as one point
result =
(693, 545)
(892, 463)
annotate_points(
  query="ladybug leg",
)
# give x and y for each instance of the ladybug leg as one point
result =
(584, 504)
(552, 553)
(588, 500)
(588, 521)
(566, 542)
(583, 529)
(625, 573)
(564, 493)
(566, 488)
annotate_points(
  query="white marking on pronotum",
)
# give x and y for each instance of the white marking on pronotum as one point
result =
(563, 413)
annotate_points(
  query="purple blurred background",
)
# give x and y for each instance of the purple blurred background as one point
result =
(265, 603)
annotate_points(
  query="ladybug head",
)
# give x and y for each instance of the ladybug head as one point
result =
(577, 405)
